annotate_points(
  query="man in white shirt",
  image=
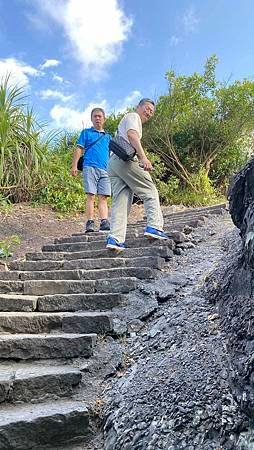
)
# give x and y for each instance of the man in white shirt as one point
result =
(129, 177)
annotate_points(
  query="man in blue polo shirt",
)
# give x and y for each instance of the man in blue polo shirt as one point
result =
(94, 143)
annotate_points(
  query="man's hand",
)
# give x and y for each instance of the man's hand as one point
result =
(74, 165)
(146, 164)
(135, 142)
(74, 171)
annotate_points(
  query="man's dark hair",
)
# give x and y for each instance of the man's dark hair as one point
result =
(97, 109)
(146, 100)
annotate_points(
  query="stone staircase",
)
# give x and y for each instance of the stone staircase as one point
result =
(53, 306)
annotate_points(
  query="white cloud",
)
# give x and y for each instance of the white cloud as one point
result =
(19, 71)
(71, 119)
(58, 78)
(95, 33)
(49, 93)
(50, 63)
(174, 41)
(68, 118)
(190, 20)
(130, 100)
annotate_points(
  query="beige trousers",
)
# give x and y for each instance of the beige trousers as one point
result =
(128, 178)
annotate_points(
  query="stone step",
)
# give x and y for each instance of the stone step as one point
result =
(46, 346)
(205, 210)
(95, 236)
(185, 215)
(9, 287)
(179, 222)
(96, 245)
(32, 427)
(133, 231)
(97, 274)
(162, 251)
(36, 383)
(137, 232)
(15, 302)
(51, 287)
(40, 322)
(155, 262)
(64, 302)
(79, 302)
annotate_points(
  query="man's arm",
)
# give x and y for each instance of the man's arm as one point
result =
(135, 142)
(76, 155)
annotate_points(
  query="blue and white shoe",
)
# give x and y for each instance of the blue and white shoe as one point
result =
(152, 233)
(113, 244)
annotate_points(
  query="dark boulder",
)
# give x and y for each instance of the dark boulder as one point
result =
(231, 286)
(241, 208)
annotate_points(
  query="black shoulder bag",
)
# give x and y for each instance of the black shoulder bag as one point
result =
(122, 148)
(81, 159)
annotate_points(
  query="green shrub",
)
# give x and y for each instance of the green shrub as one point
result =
(171, 191)
(204, 193)
(5, 204)
(61, 191)
(8, 244)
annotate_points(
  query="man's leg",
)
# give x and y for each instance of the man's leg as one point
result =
(121, 203)
(90, 186)
(104, 191)
(103, 206)
(90, 206)
(141, 183)
(103, 213)
(90, 213)
(122, 198)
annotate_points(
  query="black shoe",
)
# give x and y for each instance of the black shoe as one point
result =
(90, 226)
(104, 225)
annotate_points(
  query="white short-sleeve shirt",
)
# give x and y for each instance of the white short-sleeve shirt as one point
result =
(131, 121)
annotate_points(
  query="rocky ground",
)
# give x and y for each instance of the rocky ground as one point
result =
(164, 379)
(176, 393)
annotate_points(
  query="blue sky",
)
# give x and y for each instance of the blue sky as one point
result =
(72, 55)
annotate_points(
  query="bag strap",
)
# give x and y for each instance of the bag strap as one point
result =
(93, 143)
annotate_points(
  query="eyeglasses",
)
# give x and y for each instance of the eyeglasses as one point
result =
(149, 109)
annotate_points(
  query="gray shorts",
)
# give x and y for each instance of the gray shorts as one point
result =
(96, 181)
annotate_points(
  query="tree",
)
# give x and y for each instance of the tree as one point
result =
(198, 121)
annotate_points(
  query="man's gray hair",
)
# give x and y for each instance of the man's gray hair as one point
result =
(146, 100)
(97, 109)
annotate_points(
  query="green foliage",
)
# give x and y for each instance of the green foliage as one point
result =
(62, 191)
(188, 197)
(203, 184)
(167, 188)
(171, 192)
(112, 122)
(8, 244)
(230, 162)
(198, 123)
(5, 204)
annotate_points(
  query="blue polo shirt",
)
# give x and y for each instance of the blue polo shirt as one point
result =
(97, 155)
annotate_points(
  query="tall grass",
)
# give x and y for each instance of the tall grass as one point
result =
(21, 149)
